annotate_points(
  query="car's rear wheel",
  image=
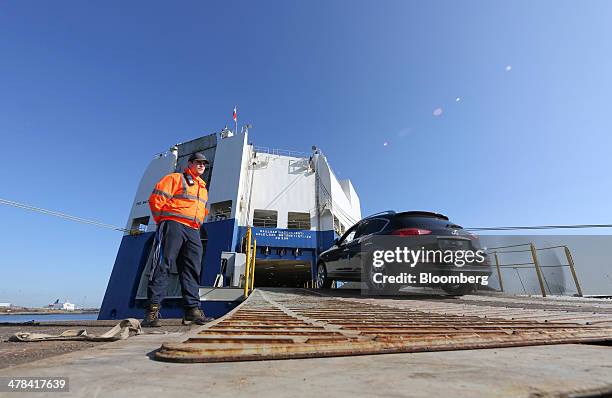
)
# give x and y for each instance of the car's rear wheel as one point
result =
(380, 288)
(323, 282)
(458, 289)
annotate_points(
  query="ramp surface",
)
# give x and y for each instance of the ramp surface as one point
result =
(277, 324)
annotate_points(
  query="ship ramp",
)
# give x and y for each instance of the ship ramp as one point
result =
(302, 323)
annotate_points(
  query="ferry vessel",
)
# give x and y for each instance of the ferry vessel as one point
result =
(293, 201)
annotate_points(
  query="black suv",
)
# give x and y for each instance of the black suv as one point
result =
(343, 260)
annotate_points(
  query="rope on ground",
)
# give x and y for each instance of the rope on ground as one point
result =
(121, 331)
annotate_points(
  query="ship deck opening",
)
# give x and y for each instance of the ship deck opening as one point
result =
(282, 273)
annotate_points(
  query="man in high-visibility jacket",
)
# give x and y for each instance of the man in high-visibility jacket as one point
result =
(178, 205)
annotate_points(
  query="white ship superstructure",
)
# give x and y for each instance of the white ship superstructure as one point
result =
(293, 201)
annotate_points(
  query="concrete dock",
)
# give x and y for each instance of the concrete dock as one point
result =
(127, 367)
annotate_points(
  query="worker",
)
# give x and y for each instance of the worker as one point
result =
(178, 205)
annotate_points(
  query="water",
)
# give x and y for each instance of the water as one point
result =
(48, 317)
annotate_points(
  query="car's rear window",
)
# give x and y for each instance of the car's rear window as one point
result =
(408, 221)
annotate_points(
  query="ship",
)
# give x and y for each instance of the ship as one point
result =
(293, 206)
(293, 203)
(66, 305)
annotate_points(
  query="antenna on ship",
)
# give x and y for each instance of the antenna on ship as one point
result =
(226, 133)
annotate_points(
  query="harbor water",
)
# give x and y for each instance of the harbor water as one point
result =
(20, 318)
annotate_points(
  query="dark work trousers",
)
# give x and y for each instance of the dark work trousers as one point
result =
(180, 244)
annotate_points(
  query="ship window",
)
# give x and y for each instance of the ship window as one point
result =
(298, 220)
(220, 211)
(265, 218)
(140, 224)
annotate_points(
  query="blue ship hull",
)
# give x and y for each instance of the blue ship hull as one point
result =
(120, 300)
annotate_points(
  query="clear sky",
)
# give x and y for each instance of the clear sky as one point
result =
(493, 112)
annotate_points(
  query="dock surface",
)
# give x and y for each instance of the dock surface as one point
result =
(554, 370)
(16, 353)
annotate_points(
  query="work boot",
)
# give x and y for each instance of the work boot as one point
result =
(151, 319)
(195, 315)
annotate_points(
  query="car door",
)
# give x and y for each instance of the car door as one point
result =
(337, 260)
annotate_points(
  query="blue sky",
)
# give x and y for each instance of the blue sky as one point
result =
(90, 92)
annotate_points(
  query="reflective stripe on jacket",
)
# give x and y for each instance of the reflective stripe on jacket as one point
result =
(173, 199)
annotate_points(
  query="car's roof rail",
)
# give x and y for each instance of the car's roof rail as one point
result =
(380, 213)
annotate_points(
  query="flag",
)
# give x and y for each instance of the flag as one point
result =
(235, 114)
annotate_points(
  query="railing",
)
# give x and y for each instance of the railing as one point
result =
(536, 264)
(281, 152)
(298, 225)
(249, 272)
(220, 215)
(265, 222)
(311, 284)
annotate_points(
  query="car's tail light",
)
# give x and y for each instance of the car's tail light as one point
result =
(410, 232)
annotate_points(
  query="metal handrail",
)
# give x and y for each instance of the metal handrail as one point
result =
(281, 152)
(505, 247)
(312, 284)
(249, 272)
(536, 264)
(265, 222)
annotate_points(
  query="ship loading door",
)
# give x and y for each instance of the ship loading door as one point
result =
(283, 257)
(282, 272)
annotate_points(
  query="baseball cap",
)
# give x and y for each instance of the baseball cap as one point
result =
(198, 156)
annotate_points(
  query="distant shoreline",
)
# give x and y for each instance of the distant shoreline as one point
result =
(32, 312)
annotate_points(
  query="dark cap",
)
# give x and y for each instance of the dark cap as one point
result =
(198, 156)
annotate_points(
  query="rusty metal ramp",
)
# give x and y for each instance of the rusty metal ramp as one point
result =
(276, 324)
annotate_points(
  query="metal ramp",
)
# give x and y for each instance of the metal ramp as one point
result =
(283, 324)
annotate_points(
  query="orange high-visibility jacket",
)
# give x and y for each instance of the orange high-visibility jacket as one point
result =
(173, 199)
